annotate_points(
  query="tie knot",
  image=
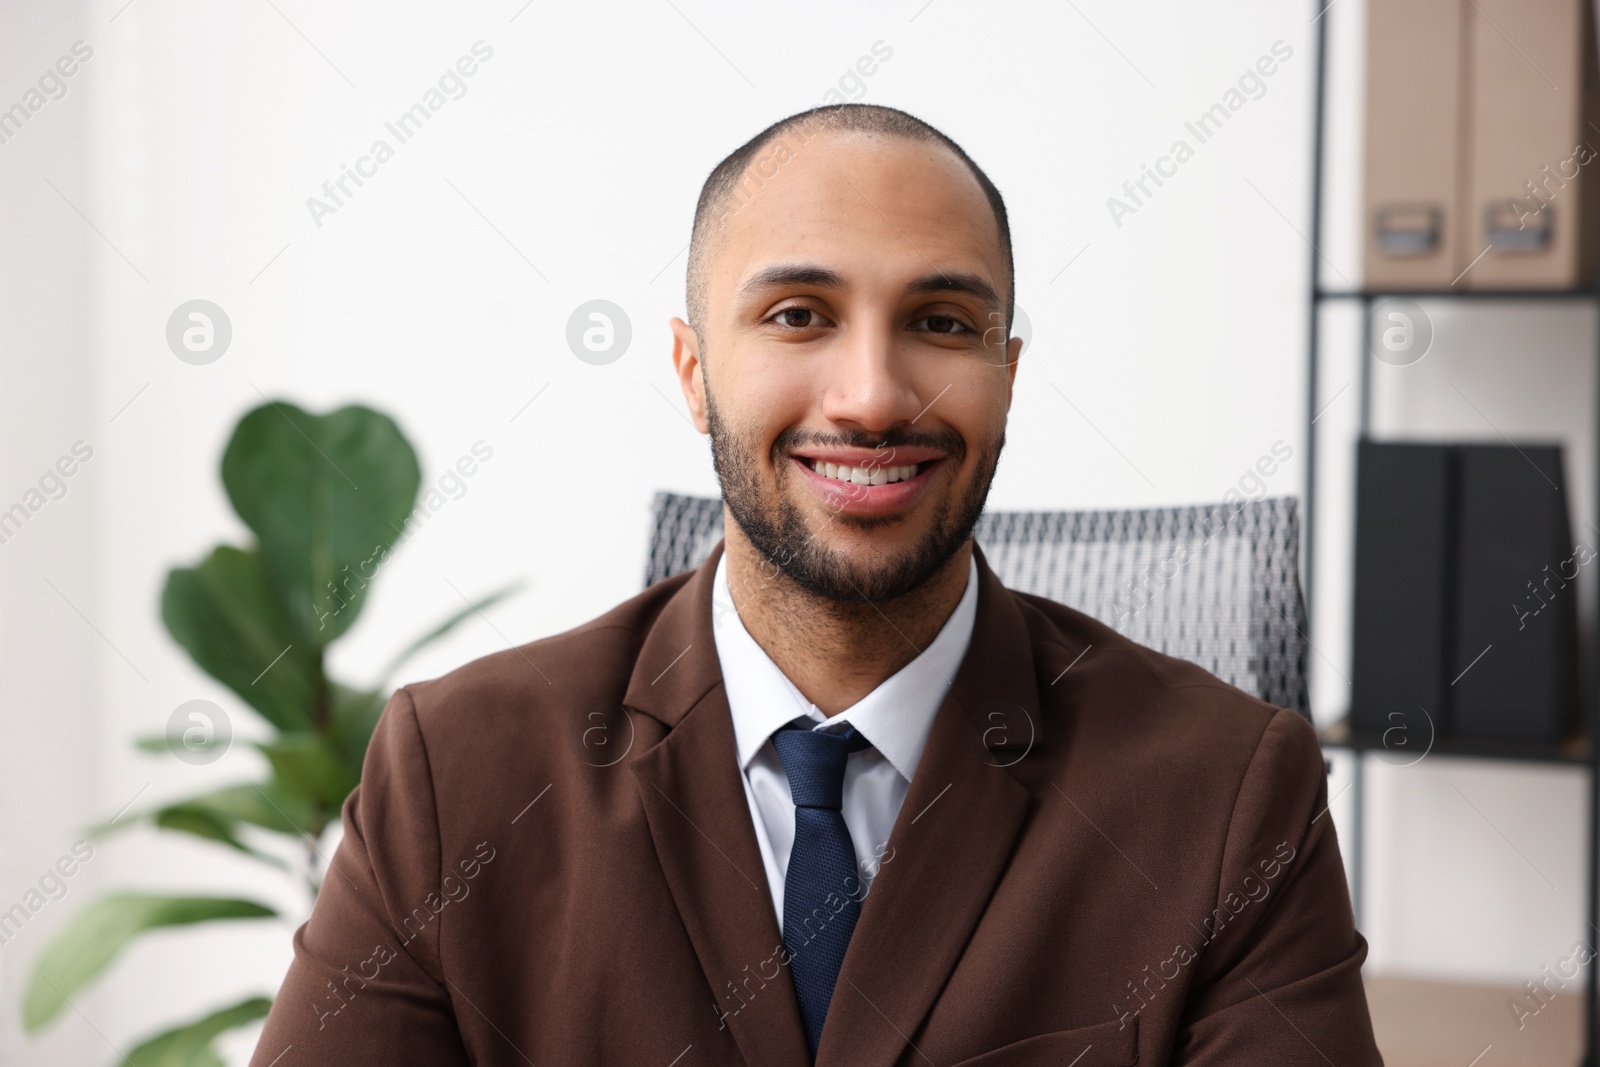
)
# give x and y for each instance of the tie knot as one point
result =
(814, 762)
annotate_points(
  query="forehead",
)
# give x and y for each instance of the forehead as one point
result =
(862, 204)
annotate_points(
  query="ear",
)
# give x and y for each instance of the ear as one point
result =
(1013, 355)
(691, 375)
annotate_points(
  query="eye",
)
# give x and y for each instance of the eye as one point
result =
(945, 324)
(797, 318)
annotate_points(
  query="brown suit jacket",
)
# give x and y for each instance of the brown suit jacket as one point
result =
(550, 860)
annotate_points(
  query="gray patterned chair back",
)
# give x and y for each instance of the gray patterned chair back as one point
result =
(1218, 589)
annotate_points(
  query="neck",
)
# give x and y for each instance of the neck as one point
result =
(836, 652)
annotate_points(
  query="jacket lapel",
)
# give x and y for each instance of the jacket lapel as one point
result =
(946, 853)
(700, 823)
(949, 845)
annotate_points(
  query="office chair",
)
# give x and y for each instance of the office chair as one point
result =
(1215, 586)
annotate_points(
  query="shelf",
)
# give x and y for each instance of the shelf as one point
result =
(1456, 294)
(1427, 1023)
(1573, 751)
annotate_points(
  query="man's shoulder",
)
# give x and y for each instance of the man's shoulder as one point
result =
(1128, 697)
(584, 667)
(1159, 750)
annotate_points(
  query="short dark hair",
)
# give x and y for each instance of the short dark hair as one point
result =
(719, 196)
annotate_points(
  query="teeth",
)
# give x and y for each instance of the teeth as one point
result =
(864, 475)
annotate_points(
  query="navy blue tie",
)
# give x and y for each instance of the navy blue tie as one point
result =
(822, 890)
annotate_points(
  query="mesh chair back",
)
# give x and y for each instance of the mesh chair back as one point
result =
(1217, 587)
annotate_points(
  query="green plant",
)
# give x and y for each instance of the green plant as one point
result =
(326, 496)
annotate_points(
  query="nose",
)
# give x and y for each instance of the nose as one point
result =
(870, 383)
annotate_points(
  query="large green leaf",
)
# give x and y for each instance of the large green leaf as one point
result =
(212, 827)
(355, 716)
(99, 932)
(326, 495)
(309, 765)
(269, 805)
(225, 615)
(190, 1045)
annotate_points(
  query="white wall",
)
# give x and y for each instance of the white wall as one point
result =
(51, 766)
(440, 293)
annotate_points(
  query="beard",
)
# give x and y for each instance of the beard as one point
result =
(777, 527)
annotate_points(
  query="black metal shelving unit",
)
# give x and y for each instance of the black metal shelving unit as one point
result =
(1578, 751)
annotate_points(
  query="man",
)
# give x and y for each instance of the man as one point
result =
(836, 796)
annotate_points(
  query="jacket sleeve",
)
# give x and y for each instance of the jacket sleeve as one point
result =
(366, 985)
(1279, 978)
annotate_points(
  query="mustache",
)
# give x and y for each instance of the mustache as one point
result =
(947, 441)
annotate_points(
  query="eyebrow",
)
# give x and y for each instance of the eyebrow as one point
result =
(785, 274)
(955, 282)
(792, 274)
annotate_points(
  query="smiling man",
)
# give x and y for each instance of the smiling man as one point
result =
(837, 795)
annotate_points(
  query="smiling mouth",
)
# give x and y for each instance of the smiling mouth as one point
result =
(880, 475)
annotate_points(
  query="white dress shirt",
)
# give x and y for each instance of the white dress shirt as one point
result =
(896, 718)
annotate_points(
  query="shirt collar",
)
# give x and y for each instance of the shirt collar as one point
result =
(896, 717)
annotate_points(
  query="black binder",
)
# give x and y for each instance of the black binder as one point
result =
(1514, 673)
(1465, 594)
(1404, 574)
